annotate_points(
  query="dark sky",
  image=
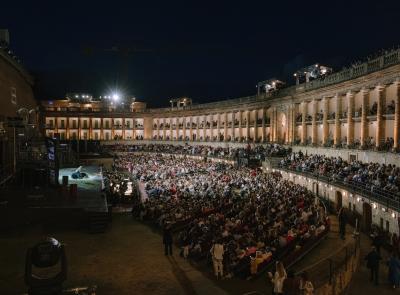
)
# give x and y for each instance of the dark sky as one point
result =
(156, 50)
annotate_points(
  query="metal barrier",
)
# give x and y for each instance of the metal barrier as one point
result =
(332, 274)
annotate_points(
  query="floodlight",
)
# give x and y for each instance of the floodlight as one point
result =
(115, 97)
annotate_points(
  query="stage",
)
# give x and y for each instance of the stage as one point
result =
(90, 195)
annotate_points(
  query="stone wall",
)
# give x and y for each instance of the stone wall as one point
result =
(15, 93)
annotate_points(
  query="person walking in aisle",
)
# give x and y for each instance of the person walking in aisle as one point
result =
(217, 253)
(167, 240)
(373, 259)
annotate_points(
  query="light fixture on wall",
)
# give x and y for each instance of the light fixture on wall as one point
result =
(374, 205)
(383, 209)
(358, 199)
(393, 215)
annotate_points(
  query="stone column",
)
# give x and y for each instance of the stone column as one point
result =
(164, 129)
(303, 123)
(272, 126)
(134, 128)
(325, 125)
(292, 123)
(204, 128)
(184, 129)
(80, 128)
(123, 128)
(240, 126)
(314, 135)
(212, 128)
(177, 128)
(380, 131)
(67, 128)
(248, 125)
(191, 128)
(364, 113)
(233, 127)
(198, 128)
(158, 129)
(396, 115)
(255, 126)
(56, 125)
(337, 136)
(171, 135)
(101, 129)
(226, 126)
(350, 121)
(263, 135)
(218, 126)
(90, 128)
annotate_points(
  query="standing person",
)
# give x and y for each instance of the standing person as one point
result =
(394, 270)
(278, 278)
(373, 259)
(217, 253)
(167, 240)
(342, 223)
(306, 287)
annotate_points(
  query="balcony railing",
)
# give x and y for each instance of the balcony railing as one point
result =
(383, 197)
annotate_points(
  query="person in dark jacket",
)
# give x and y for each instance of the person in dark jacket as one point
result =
(167, 240)
(342, 223)
(373, 259)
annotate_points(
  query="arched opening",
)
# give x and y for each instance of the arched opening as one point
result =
(367, 217)
(281, 128)
(339, 200)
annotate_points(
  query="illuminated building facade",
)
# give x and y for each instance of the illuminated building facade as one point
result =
(357, 107)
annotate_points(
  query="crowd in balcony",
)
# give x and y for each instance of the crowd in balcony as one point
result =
(209, 124)
(259, 152)
(373, 177)
(255, 217)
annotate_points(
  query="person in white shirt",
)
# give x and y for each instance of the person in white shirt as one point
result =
(278, 278)
(217, 253)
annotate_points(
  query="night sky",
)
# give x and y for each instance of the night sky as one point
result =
(157, 50)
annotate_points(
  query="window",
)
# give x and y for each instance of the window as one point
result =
(85, 124)
(387, 226)
(13, 95)
(96, 136)
(62, 123)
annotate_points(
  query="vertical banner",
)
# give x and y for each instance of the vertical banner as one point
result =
(51, 145)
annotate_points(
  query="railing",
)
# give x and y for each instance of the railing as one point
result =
(385, 198)
(388, 59)
(333, 274)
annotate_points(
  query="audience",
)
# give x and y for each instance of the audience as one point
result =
(253, 217)
(371, 176)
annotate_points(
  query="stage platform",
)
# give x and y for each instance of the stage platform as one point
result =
(90, 195)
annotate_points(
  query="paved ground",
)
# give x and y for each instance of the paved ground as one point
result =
(129, 258)
(360, 283)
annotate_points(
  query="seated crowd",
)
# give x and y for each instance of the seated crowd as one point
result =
(259, 151)
(256, 217)
(372, 176)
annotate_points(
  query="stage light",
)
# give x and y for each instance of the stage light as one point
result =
(115, 97)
